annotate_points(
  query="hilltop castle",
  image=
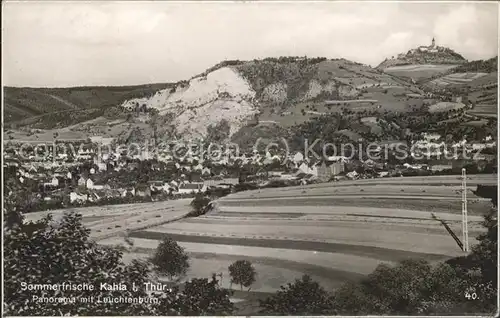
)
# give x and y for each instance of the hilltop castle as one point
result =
(425, 54)
(433, 48)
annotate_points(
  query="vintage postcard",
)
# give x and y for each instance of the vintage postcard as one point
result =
(217, 158)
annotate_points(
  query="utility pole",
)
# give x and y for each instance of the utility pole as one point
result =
(465, 230)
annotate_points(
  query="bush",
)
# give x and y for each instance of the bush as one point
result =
(388, 290)
(413, 287)
(277, 184)
(242, 273)
(218, 192)
(200, 297)
(245, 187)
(200, 205)
(170, 258)
(303, 297)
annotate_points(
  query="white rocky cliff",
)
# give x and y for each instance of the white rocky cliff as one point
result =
(222, 94)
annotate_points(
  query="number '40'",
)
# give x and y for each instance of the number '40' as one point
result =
(469, 296)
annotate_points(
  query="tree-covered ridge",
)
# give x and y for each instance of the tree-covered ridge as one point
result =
(281, 59)
(70, 105)
(479, 66)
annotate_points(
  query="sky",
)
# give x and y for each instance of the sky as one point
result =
(60, 44)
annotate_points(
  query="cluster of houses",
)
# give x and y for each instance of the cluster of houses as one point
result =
(65, 180)
(444, 157)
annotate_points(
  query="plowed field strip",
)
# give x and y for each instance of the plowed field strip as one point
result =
(445, 206)
(383, 254)
(428, 226)
(328, 273)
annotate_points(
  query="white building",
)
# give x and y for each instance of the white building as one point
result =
(77, 197)
(82, 182)
(89, 184)
(188, 188)
(53, 183)
(205, 171)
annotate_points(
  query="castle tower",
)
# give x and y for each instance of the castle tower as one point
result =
(433, 45)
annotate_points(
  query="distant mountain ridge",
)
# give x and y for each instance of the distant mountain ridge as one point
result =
(271, 94)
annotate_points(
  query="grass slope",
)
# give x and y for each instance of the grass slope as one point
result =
(49, 106)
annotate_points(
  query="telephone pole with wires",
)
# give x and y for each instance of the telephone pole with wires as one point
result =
(465, 229)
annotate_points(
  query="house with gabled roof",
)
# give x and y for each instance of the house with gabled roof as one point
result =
(82, 181)
(305, 168)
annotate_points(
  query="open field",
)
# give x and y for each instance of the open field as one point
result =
(482, 90)
(290, 231)
(115, 220)
(418, 72)
(445, 106)
(456, 79)
(486, 110)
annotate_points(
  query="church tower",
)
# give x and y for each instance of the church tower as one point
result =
(433, 45)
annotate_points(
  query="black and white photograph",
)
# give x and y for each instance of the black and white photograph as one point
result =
(250, 158)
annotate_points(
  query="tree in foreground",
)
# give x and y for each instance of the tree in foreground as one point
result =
(49, 252)
(170, 258)
(411, 287)
(303, 297)
(199, 296)
(60, 252)
(242, 273)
